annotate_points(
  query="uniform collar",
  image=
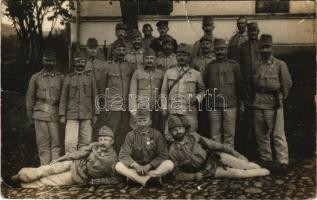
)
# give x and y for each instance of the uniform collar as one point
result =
(148, 69)
(210, 55)
(140, 51)
(183, 69)
(49, 73)
(270, 61)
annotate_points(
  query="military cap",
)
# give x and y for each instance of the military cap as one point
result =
(147, 25)
(79, 55)
(219, 43)
(167, 38)
(143, 113)
(253, 26)
(49, 54)
(105, 131)
(207, 20)
(266, 39)
(118, 43)
(121, 26)
(92, 42)
(135, 33)
(162, 23)
(206, 37)
(184, 48)
(149, 52)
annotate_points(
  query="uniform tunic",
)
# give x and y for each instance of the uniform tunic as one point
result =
(157, 44)
(200, 62)
(135, 57)
(234, 44)
(165, 62)
(78, 96)
(144, 148)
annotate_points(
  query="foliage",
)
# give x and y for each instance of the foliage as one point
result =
(28, 18)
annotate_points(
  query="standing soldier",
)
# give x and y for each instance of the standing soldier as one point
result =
(148, 37)
(94, 64)
(200, 63)
(121, 33)
(182, 88)
(237, 39)
(249, 57)
(145, 89)
(42, 100)
(272, 83)
(223, 80)
(162, 28)
(77, 105)
(207, 55)
(208, 27)
(135, 56)
(166, 58)
(117, 78)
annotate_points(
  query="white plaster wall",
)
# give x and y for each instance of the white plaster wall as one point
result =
(103, 8)
(284, 31)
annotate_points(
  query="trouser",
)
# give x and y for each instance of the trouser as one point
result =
(78, 133)
(118, 122)
(164, 168)
(202, 115)
(190, 120)
(264, 120)
(57, 174)
(226, 120)
(48, 139)
(238, 168)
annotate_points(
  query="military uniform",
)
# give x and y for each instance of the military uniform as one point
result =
(78, 106)
(272, 82)
(117, 78)
(177, 100)
(145, 89)
(42, 100)
(135, 57)
(157, 43)
(98, 68)
(77, 167)
(126, 41)
(200, 62)
(146, 41)
(197, 47)
(234, 44)
(165, 62)
(144, 148)
(223, 79)
(197, 51)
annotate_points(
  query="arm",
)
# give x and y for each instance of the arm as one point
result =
(133, 93)
(162, 152)
(286, 80)
(94, 96)
(200, 88)
(126, 151)
(30, 97)
(238, 80)
(76, 155)
(64, 97)
(164, 93)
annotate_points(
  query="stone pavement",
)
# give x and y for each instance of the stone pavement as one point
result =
(300, 183)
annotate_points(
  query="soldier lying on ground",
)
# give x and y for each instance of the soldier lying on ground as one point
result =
(196, 157)
(93, 163)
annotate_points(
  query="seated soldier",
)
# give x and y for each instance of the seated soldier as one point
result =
(196, 157)
(94, 163)
(144, 156)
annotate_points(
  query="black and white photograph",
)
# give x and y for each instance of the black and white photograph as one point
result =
(158, 99)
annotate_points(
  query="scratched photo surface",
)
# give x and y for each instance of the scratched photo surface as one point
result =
(221, 81)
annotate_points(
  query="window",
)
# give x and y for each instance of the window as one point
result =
(149, 7)
(272, 6)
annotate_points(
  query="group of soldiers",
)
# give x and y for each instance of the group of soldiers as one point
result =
(148, 102)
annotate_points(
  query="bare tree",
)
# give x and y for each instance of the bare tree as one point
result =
(28, 17)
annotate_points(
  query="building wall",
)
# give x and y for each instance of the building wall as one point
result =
(98, 19)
